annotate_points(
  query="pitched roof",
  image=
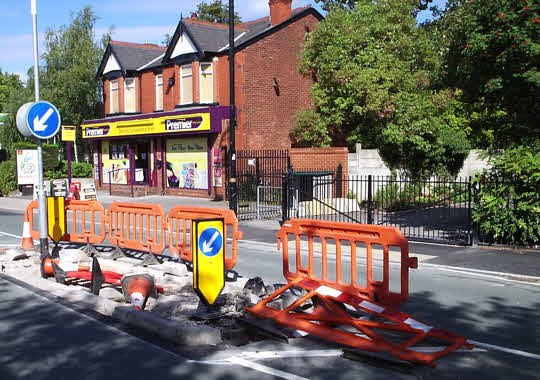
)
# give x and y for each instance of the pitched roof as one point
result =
(131, 56)
(208, 37)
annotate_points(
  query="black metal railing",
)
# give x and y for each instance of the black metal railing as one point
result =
(260, 172)
(436, 209)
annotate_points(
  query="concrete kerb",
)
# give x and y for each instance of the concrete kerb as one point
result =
(167, 329)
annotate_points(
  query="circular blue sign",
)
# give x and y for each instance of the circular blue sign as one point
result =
(43, 120)
(210, 242)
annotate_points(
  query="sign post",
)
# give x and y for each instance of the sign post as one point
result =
(41, 120)
(68, 135)
(208, 258)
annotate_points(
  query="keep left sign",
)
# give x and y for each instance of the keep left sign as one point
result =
(40, 119)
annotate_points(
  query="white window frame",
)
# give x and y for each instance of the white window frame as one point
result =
(117, 108)
(125, 93)
(200, 81)
(159, 92)
(182, 75)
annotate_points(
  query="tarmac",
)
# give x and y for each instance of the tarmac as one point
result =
(500, 260)
(496, 262)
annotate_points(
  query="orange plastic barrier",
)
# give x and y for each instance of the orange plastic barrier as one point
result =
(29, 217)
(86, 216)
(350, 241)
(137, 226)
(340, 305)
(88, 222)
(180, 219)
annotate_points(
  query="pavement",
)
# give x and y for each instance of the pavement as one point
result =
(486, 294)
(495, 259)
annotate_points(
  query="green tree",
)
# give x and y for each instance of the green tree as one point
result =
(15, 99)
(8, 83)
(493, 55)
(215, 11)
(374, 72)
(72, 54)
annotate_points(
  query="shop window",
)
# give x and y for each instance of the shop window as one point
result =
(207, 83)
(113, 98)
(129, 95)
(159, 92)
(186, 85)
(118, 152)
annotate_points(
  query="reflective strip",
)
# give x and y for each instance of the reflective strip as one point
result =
(137, 300)
(326, 291)
(417, 325)
(371, 306)
(67, 266)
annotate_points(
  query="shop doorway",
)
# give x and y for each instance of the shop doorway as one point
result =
(140, 162)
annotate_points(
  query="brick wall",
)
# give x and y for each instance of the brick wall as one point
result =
(106, 96)
(267, 107)
(170, 93)
(148, 92)
(321, 159)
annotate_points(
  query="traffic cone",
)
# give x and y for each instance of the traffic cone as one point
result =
(47, 269)
(137, 288)
(27, 243)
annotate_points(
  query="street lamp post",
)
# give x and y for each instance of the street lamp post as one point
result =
(42, 206)
(233, 201)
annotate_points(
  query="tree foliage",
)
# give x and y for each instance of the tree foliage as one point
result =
(8, 84)
(373, 69)
(493, 55)
(72, 54)
(509, 208)
(215, 11)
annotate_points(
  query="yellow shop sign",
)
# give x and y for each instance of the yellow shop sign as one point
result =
(149, 126)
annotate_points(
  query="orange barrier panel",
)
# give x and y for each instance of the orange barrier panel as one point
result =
(343, 303)
(351, 241)
(137, 226)
(180, 219)
(29, 217)
(88, 222)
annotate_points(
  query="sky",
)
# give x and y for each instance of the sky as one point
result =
(130, 20)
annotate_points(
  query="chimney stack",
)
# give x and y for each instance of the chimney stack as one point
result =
(280, 10)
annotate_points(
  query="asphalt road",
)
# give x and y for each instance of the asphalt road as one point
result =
(501, 316)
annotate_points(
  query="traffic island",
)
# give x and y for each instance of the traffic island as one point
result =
(176, 315)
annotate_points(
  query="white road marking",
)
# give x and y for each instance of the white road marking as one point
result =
(262, 368)
(504, 349)
(10, 235)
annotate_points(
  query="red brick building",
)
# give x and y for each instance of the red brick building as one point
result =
(170, 104)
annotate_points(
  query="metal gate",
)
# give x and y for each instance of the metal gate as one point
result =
(259, 175)
(433, 210)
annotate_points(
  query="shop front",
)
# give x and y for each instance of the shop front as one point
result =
(175, 153)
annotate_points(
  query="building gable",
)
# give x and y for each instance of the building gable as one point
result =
(111, 65)
(183, 45)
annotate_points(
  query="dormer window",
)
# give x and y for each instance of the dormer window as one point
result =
(113, 98)
(186, 84)
(206, 83)
(130, 104)
(159, 92)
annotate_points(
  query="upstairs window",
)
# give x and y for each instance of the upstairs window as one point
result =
(159, 92)
(186, 84)
(129, 95)
(113, 98)
(207, 83)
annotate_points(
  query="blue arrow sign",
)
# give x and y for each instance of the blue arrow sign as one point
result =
(43, 120)
(210, 242)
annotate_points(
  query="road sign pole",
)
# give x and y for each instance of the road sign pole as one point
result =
(42, 203)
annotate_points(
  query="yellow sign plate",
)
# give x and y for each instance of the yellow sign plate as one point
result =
(208, 258)
(68, 133)
(57, 218)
